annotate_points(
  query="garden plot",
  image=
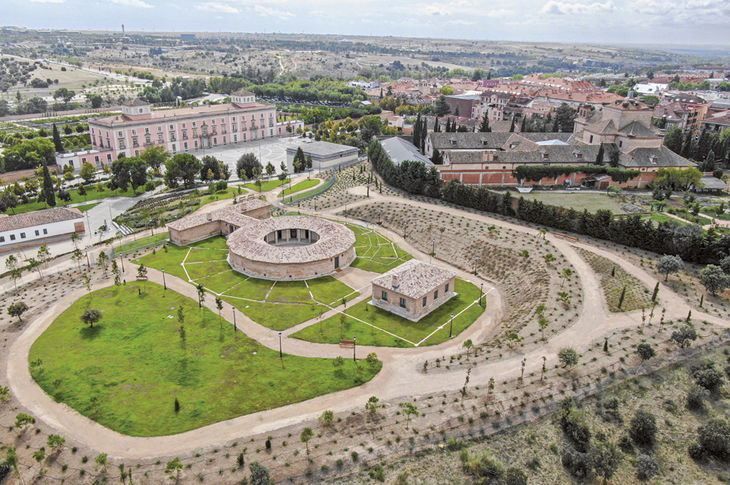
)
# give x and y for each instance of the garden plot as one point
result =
(536, 280)
(338, 194)
(615, 281)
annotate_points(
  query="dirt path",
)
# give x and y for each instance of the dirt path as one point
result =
(401, 375)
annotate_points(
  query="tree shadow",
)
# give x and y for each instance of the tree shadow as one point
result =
(90, 333)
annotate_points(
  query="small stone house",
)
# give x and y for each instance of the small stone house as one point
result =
(413, 289)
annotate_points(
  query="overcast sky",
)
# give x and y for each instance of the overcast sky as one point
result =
(609, 21)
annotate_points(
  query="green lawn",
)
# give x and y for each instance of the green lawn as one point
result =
(266, 186)
(660, 217)
(376, 252)
(328, 331)
(86, 207)
(577, 200)
(251, 288)
(277, 316)
(141, 242)
(298, 187)
(169, 258)
(127, 371)
(228, 193)
(289, 292)
(91, 195)
(330, 291)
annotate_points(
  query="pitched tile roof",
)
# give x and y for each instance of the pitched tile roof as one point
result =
(414, 278)
(38, 218)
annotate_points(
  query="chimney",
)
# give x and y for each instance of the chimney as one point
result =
(396, 281)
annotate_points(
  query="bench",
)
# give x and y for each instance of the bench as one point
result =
(347, 344)
(566, 237)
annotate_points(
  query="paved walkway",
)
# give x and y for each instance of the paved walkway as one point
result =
(399, 378)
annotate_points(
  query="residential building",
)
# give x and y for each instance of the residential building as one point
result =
(38, 227)
(413, 290)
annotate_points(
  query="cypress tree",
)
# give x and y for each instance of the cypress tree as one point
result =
(599, 157)
(656, 291)
(57, 140)
(417, 131)
(47, 193)
(621, 298)
(522, 124)
(484, 126)
(436, 125)
(556, 127)
(512, 125)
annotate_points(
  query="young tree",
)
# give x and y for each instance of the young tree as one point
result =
(88, 172)
(91, 316)
(468, 345)
(102, 260)
(17, 309)
(542, 322)
(34, 264)
(246, 164)
(55, 442)
(11, 459)
(373, 404)
(201, 294)
(77, 256)
(117, 274)
(173, 469)
(568, 356)
(669, 264)
(141, 272)
(154, 156)
(22, 420)
(219, 306)
(305, 436)
(484, 125)
(101, 461)
(326, 418)
(409, 409)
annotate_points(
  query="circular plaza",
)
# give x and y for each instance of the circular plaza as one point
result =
(291, 248)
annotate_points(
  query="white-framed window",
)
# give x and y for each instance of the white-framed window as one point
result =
(436, 295)
(402, 302)
(384, 295)
(424, 301)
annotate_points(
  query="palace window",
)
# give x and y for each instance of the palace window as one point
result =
(384, 296)
(402, 302)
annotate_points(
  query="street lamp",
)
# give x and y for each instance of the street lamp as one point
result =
(433, 247)
(234, 317)
(281, 355)
(354, 346)
(121, 258)
(451, 327)
(164, 284)
(481, 292)
(88, 262)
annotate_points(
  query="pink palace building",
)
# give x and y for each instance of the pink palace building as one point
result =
(179, 129)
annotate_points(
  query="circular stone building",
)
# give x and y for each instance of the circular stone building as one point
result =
(290, 248)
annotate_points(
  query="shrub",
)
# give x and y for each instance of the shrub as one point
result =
(259, 474)
(222, 185)
(149, 186)
(696, 398)
(626, 445)
(514, 476)
(714, 438)
(645, 351)
(643, 428)
(377, 473)
(707, 375)
(486, 466)
(646, 467)
(608, 410)
(574, 425)
(576, 463)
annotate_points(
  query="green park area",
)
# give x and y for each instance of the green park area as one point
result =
(591, 201)
(146, 371)
(92, 193)
(266, 186)
(373, 326)
(276, 305)
(376, 252)
(622, 291)
(141, 243)
(298, 187)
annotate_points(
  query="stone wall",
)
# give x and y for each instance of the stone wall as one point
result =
(289, 271)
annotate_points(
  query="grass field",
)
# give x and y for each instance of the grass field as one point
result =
(376, 252)
(266, 186)
(86, 207)
(141, 242)
(387, 329)
(298, 187)
(577, 200)
(127, 371)
(276, 305)
(91, 195)
(637, 295)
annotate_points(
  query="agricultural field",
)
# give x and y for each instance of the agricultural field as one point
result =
(373, 326)
(615, 281)
(145, 379)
